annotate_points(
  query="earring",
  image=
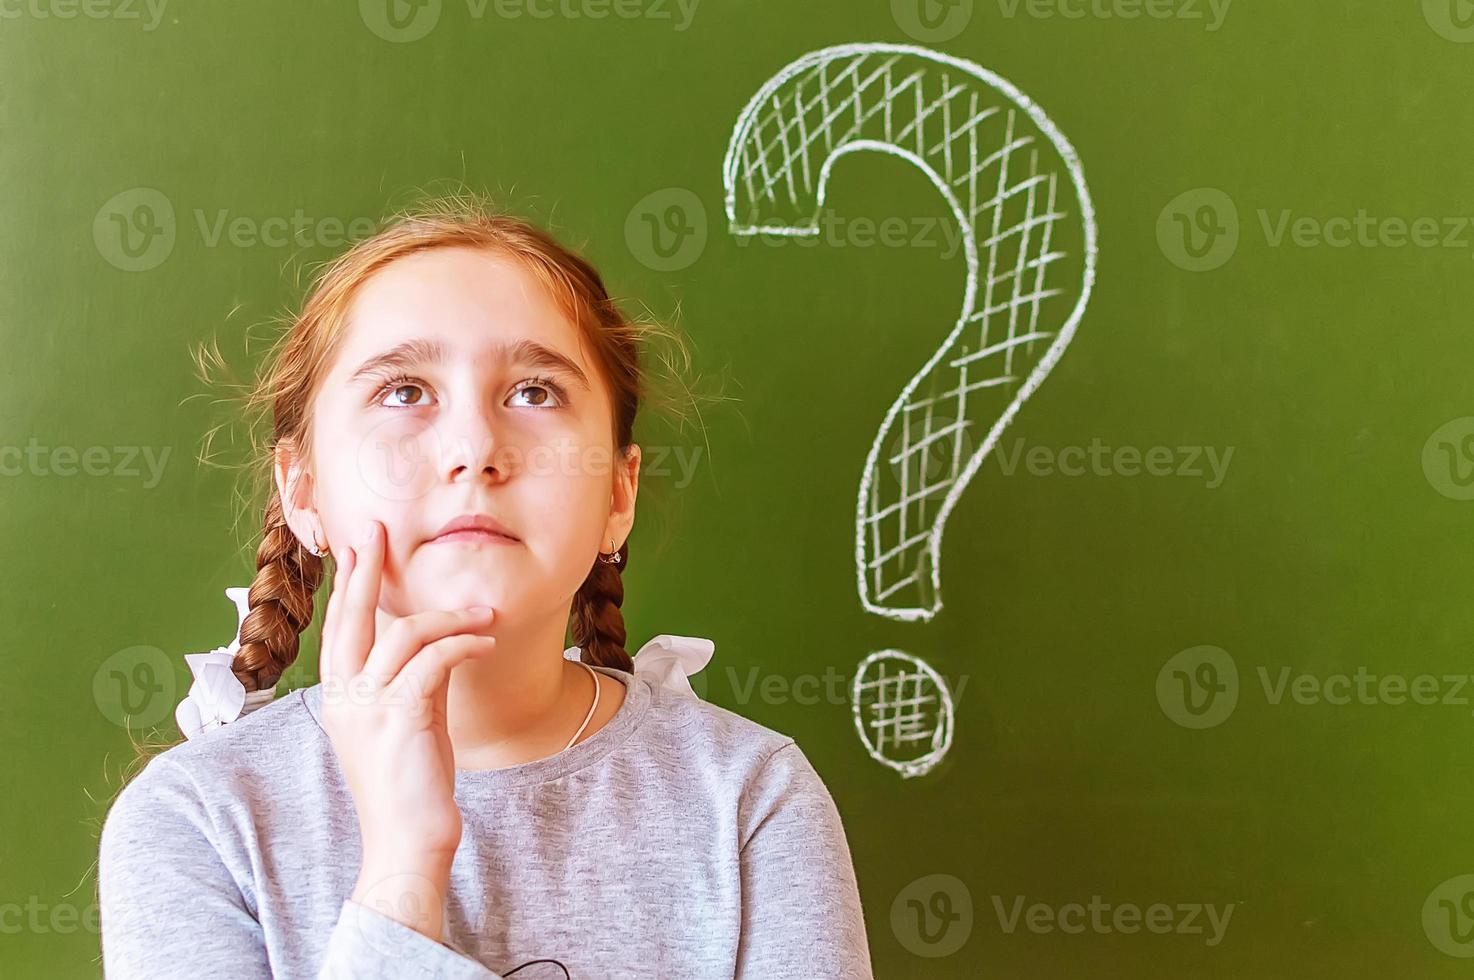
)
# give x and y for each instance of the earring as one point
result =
(613, 557)
(317, 550)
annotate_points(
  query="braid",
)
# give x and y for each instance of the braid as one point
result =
(280, 602)
(598, 625)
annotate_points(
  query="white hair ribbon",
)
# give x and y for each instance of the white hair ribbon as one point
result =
(217, 697)
(667, 660)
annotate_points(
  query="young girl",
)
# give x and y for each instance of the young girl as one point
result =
(460, 796)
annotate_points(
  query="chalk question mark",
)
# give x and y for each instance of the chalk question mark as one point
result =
(1013, 183)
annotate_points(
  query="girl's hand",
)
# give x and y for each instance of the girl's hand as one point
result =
(384, 709)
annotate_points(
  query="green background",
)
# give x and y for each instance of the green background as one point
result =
(1334, 373)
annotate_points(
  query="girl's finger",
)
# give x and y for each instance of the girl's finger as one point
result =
(421, 679)
(342, 570)
(406, 636)
(354, 629)
(342, 574)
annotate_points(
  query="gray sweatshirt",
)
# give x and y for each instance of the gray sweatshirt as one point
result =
(680, 840)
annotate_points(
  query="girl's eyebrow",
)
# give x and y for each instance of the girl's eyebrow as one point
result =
(421, 351)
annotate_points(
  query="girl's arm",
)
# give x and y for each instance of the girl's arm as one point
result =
(801, 914)
(171, 909)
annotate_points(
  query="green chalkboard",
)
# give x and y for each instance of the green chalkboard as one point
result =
(1197, 612)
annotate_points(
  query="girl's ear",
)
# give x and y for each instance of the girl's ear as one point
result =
(622, 503)
(294, 488)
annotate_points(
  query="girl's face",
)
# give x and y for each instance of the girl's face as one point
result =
(462, 389)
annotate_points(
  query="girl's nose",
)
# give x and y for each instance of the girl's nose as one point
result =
(470, 450)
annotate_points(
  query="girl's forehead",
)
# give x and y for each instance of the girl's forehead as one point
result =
(471, 304)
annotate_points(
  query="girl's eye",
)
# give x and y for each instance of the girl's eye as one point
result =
(400, 385)
(538, 390)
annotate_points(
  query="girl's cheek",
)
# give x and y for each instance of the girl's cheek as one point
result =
(393, 461)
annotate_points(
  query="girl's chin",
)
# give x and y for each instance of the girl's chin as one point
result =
(454, 601)
(455, 587)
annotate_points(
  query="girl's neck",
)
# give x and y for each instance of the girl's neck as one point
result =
(523, 702)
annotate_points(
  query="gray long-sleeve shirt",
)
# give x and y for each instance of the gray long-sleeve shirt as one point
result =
(679, 840)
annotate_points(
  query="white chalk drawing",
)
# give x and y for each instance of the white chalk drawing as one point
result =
(997, 160)
(1011, 180)
(903, 711)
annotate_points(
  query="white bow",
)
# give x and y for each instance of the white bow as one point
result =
(668, 660)
(217, 697)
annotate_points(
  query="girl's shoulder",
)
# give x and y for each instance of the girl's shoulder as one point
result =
(717, 758)
(272, 746)
(668, 694)
(690, 732)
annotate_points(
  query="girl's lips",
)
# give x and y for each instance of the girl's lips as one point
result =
(474, 536)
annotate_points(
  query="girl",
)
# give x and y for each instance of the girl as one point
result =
(459, 796)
